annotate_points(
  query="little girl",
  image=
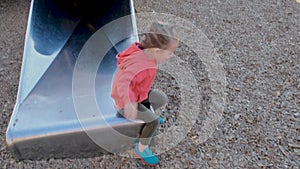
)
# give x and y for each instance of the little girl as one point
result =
(137, 67)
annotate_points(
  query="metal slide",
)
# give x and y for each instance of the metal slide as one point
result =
(44, 123)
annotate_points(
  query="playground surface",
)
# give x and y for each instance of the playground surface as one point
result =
(258, 45)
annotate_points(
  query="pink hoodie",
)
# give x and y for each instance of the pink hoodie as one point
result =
(134, 78)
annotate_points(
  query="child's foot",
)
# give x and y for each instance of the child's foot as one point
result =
(146, 156)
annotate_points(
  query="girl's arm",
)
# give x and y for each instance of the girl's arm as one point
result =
(123, 87)
(127, 82)
(128, 96)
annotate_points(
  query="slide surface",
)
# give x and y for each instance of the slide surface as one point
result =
(67, 41)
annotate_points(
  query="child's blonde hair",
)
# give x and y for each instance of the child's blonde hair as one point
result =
(161, 35)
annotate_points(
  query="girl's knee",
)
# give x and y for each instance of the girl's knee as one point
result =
(158, 97)
(165, 99)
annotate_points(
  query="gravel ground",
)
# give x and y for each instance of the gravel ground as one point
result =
(258, 43)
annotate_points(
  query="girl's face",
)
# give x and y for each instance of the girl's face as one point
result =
(162, 55)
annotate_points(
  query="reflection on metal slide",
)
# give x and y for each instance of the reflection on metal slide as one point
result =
(44, 123)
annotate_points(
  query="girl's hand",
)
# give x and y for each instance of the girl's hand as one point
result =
(130, 111)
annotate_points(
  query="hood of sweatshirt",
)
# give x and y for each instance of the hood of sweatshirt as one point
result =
(133, 55)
